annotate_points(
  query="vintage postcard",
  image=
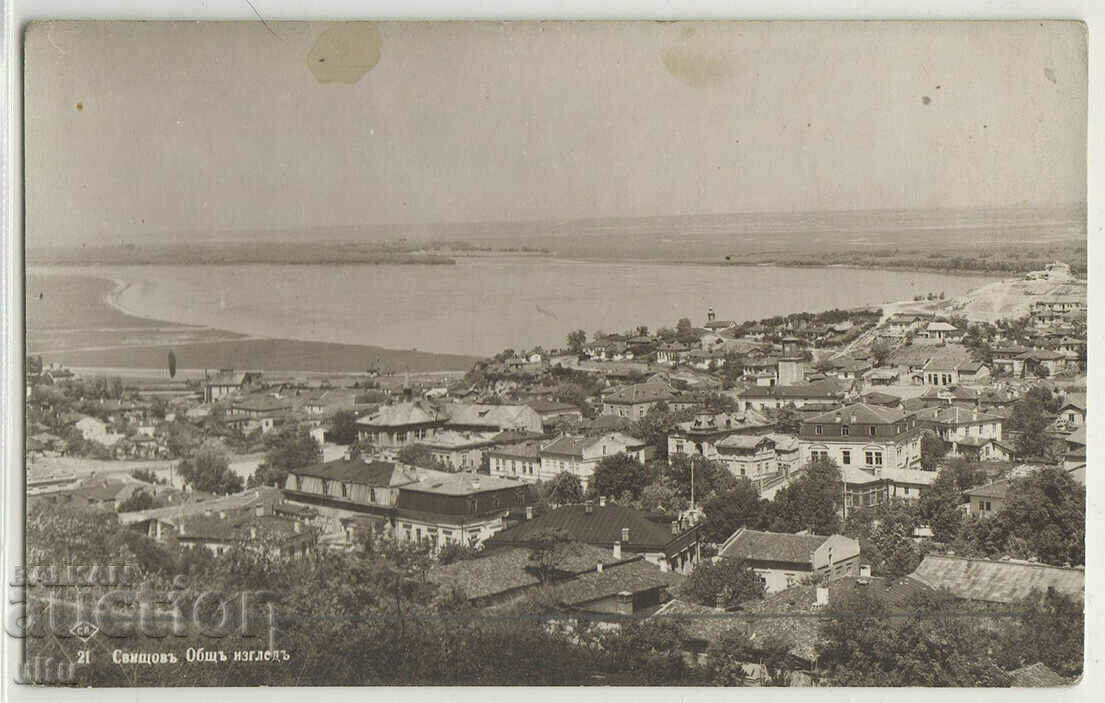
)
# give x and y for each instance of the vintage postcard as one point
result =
(554, 353)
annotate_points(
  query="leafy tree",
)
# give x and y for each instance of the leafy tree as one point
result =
(343, 427)
(711, 478)
(727, 512)
(1049, 627)
(548, 551)
(811, 502)
(576, 340)
(933, 450)
(657, 424)
(172, 364)
(617, 475)
(939, 506)
(735, 648)
(684, 331)
(565, 488)
(865, 643)
(289, 449)
(723, 583)
(418, 455)
(880, 352)
(146, 475)
(139, 500)
(788, 420)
(659, 497)
(208, 470)
(887, 529)
(652, 647)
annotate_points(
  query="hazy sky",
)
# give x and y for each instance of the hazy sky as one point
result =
(148, 128)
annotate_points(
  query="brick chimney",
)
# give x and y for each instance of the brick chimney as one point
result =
(598, 567)
(588, 507)
(529, 512)
(617, 551)
(675, 527)
(625, 534)
(602, 501)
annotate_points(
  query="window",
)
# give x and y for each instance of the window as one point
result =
(400, 436)
(871, 430)
(846, 456)
(818, 429)
(844, 430)
(873, 458)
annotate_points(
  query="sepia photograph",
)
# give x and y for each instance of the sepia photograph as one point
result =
(562, 353)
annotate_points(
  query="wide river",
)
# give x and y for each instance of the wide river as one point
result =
(485, 305)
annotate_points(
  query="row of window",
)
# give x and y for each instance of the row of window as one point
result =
(845, 430)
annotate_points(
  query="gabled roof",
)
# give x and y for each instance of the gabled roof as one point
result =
(372, 473)
(738, 441)
(400, 414)
(772, 546)
(640, 393)
(630, 577)
(523, 450)
(508, 568)
(997, 489)
(602, 526)
(827, 389)
(1074, 400)
(574, 446)
(862, 414)
(954, 415)
(877, 398)
(940, 327)
(550, 406)
(997, 581)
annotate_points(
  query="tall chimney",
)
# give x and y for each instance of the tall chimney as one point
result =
(602, 501)
(675, 527)
(617, 551)
(529, 512)
(598, 567)
(588, 507)
(625, 534)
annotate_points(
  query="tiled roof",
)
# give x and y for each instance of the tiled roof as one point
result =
(602, 526)
(997, 581)
(416, 413)
(861, 413)
(457, 484)
(500, 416)
(772, 546)
(1075, 400)
(877, 398)
(738, 441)
(791, 614)
(630, 577)
(640, 393)
(954, 415)
(551, 406)
(828, 389)
(997, 489)
(263, 404)
(373, 473)
(506, 568)
(525, 450)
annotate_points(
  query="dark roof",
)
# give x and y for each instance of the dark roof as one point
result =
(525, 450)
(997, 581)
(629, 577)
(772, 546)
(373, 473)
(549, 406)
(602, 526)
(877, 398)
(504, 569)
(997, 489)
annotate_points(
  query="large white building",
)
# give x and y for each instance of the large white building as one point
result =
(862, 435)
